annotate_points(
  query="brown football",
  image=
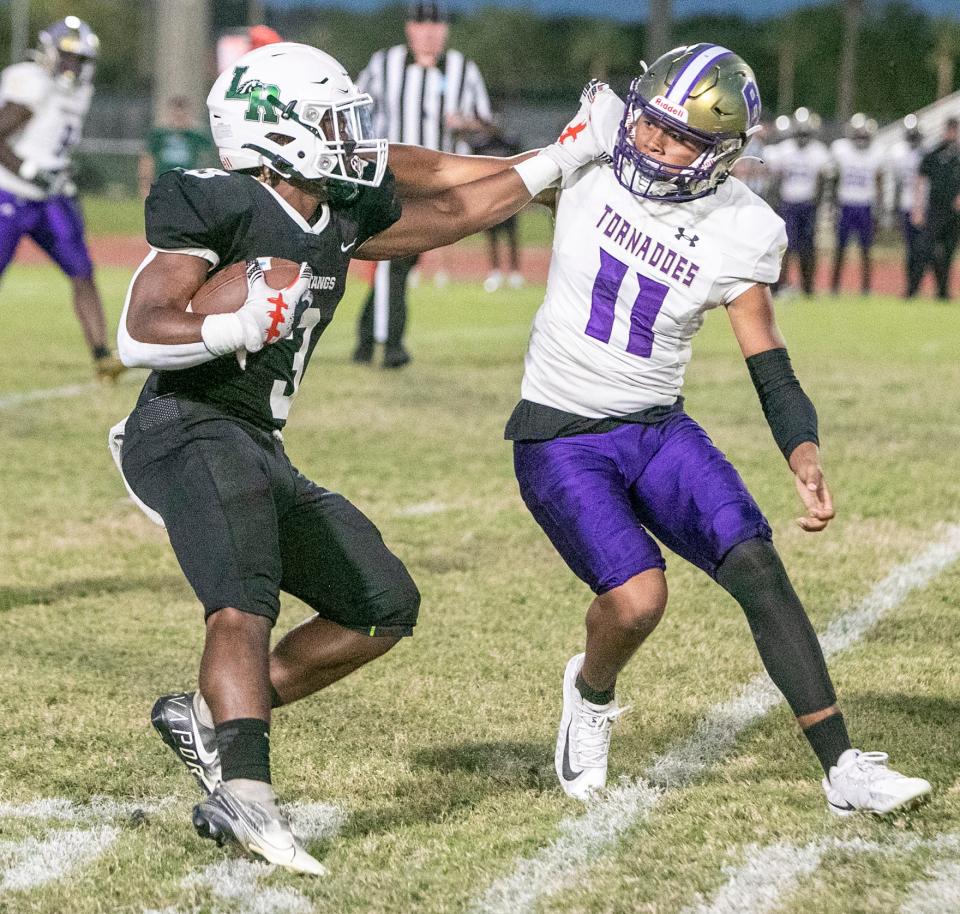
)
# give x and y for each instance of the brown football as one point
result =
(227, 290)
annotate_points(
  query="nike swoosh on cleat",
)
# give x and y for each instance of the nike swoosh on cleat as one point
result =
(568, 773)
(205, 756)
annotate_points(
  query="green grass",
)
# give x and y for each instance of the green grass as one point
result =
(441, 753)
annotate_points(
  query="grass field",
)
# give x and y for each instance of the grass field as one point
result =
(427, 779)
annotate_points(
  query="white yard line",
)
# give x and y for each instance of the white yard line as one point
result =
(10, 401)
(34, 862)
(235, 884)
(938, 893)
(21, 398)
(770, 874)
(99, 809)
(422, 509)
(759, 885)
(581, 838)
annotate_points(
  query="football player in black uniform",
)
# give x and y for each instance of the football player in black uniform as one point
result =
(203, 452)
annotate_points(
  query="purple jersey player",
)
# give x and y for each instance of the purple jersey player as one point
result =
(650, 235)
(43, 103)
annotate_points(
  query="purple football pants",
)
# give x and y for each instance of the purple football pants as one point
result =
(801, 223)
(55, 224)
(600, 497)
(855, 220)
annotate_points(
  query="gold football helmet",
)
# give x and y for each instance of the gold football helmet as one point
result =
(703, 92)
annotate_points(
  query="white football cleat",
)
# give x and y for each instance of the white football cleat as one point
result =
(583, 741)
(861, 781)
(259, 828)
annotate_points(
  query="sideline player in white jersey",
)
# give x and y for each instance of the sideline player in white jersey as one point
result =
(43, 104)
(799, 165)
(903, 167)
(858, 175)
(647, 240)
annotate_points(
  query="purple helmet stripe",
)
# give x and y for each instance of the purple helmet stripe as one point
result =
(693, 71)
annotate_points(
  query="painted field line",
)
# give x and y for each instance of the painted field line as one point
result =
(581, 838)
(235, 885)
(98, 809)
(10, 401)
(34, 862)
(938, 893)
(422, 509)
(20, 398)
(235, 888)
(769, 875)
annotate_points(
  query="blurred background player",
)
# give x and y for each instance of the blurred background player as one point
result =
(858, 190)
(903, 167)
(423, 92)
(489, 139)
(799, 164)
(177, 143)
(43, 103)
(936, 211)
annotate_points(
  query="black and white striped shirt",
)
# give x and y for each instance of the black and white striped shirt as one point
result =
(412, 103)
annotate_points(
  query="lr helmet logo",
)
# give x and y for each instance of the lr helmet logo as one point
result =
(259, 108)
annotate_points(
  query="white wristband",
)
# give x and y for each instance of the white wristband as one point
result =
(538, 173)
(222, 333)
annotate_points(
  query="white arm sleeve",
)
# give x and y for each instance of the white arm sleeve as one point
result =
(163, 357)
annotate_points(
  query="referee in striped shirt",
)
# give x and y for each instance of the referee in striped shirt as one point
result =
(422, 92)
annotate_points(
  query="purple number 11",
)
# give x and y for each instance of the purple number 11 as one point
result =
(606, 290)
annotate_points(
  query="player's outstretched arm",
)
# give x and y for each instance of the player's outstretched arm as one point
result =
(462, 209)
(12, 118)
(443, 218)
(788, 410)
(421, 172)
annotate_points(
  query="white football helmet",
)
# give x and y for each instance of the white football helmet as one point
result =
(294, 109)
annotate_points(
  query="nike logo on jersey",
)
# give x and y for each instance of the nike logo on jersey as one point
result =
(347, 247)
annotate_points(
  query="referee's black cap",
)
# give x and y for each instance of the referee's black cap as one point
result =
(427, 11)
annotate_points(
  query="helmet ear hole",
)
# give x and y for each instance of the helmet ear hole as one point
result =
(281, 139)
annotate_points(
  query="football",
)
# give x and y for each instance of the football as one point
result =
(227, 290)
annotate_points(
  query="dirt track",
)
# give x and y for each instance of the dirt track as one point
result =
(469, 262)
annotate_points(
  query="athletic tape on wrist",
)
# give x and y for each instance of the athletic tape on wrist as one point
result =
(222, 333)
(538, 173)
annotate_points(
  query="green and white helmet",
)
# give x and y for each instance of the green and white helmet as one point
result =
(295, 110)
(703, 92)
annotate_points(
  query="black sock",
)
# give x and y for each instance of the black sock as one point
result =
(101, 352)
(244, 746)
(594, 696)
(829, 739)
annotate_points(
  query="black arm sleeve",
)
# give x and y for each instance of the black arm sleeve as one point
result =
(788, 410)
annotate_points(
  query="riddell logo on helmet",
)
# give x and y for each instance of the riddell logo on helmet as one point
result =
(670, 108)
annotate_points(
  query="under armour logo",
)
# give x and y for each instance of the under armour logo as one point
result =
(690, 239)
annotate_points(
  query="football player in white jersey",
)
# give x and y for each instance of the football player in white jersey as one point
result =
(858, 188)
(43, 104)
(903, 167)
(800, 164)
(647, 240)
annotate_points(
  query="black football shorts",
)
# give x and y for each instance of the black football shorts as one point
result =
(245, 524)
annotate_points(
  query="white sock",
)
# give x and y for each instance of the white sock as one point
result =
(252, 791)
(202, 710)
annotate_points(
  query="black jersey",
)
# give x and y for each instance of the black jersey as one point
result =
(229, 217)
